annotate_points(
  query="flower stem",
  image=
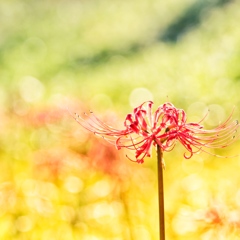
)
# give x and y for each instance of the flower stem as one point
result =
(160, 193)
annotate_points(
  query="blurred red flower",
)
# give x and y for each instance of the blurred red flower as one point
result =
(44, 116)
(221, 218)
(54, 162)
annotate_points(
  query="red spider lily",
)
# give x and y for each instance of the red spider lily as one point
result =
(144, 129)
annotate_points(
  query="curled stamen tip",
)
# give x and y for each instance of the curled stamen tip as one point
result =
(129, 158)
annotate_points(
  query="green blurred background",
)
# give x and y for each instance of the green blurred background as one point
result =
(59, 182)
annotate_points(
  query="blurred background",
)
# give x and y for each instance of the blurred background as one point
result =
(57, 181)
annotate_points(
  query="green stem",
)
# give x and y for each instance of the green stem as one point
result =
(160, 194)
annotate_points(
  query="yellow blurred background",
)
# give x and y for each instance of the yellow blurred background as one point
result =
(60, 182)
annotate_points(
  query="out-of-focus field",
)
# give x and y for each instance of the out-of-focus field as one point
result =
(57, 181)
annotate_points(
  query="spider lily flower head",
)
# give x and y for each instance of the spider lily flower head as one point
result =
(164, 127)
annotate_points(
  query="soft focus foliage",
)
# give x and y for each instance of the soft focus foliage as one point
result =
(57, 180)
